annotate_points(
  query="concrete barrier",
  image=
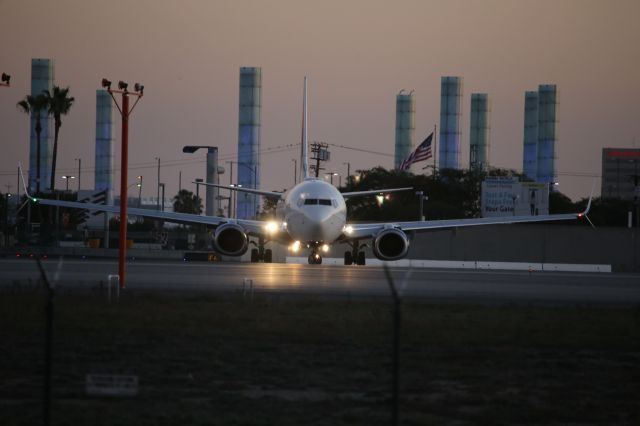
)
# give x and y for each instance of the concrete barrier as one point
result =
(476, 265)
(572, 267)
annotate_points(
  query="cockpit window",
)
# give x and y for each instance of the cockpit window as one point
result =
(315, 201)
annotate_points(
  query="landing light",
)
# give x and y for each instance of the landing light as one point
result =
(325, 248)
(295, 247)
(348, 229)
(271, 227)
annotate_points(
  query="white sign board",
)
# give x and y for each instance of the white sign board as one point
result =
(508, 197)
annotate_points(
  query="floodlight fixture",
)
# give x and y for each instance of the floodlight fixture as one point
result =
(106, 84)
(139, 88)
(122, 85)
(190, 149)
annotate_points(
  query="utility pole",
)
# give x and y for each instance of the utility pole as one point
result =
(319, 152)
(79, 160)
(158, 185)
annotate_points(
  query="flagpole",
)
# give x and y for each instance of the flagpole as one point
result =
(434, 151)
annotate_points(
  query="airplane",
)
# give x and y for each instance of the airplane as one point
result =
(312, 215)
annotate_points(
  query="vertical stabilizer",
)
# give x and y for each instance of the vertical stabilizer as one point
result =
(304, 162)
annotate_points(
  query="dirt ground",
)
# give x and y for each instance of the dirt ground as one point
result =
(203, 360)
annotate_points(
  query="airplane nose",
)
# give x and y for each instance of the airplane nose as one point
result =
(319, 223)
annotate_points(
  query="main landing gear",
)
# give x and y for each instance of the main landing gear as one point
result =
(355, 255)
(260, 253)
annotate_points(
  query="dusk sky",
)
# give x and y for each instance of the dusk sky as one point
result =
(357, 55)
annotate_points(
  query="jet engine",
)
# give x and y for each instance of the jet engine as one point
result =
(390, 244)
(231, 240)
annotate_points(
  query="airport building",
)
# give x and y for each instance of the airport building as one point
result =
(248, 170)
(405, 127)
(450, 114)
(479, 136)
(621, 173)
(42, 77)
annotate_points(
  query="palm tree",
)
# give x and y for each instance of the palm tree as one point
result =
(59, 103)
(35, 105)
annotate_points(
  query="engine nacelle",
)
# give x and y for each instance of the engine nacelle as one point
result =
(231, 240)
(390, 244)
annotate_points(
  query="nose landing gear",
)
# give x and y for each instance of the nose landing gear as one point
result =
(315, 258)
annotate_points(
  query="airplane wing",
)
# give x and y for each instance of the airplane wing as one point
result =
(269, 194)
(373, 192)
(367, 230)
(253, 227)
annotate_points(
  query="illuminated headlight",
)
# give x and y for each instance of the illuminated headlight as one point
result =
(271, 227)
(325, 248)
(347, 229)
(295, 247)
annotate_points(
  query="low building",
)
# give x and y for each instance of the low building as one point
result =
(620, 173)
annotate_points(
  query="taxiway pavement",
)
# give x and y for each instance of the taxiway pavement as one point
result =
(334, 281)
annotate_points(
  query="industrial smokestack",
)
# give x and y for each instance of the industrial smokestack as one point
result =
(450, 113)
(479, 137)
(249, 140)
(405, 127)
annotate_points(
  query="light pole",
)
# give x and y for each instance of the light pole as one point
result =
(161, 185)
(348, 173)
(198, 182)
(421, 199)
(139, 191)
(66, 178)
(79, 160)
(124, 163)
(5, 80)
(158, 199)
(331, 175)
(211, 176)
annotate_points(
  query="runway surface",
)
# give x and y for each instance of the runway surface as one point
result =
(340, 281)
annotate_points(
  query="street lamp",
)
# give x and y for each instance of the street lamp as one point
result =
(348, 173)
(331, 175)
(211, 175)
(66, 178)
(79, 160)
(421, 199)
(158, 188)
(198, 182)
(139, 190)
(125, 112)
(5, 80)
(161, 185)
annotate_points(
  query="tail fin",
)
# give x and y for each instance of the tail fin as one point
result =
(304, 162)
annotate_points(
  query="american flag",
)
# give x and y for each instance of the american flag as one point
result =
(422, 152)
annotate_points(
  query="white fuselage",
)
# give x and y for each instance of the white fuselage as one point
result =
(314, 212)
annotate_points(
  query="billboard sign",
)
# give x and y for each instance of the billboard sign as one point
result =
(509, 197)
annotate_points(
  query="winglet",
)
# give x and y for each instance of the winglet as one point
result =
(24, 184)
(586, 210)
